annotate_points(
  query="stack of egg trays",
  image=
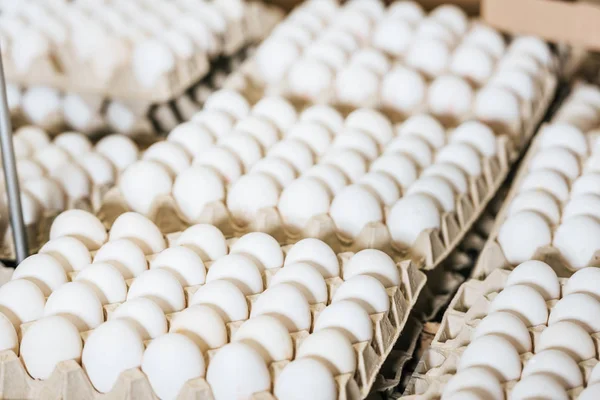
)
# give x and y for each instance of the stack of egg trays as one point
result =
(148, 119)
(62, 69)
(492, 256)
(69, 379)
(468, 307)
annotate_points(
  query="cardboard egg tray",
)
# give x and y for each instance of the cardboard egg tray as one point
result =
(492, 256)
(150, 119)
(62, 70)
(465, 311)
(69, 380)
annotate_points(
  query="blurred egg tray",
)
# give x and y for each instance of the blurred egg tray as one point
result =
(163, 62)
(95, 116)
(403, 289)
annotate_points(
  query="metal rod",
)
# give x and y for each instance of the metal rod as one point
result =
(10, 174)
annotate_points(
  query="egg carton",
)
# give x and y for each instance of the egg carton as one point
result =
(61, 69)
(492, 256)
(464, 313)
(69, 380)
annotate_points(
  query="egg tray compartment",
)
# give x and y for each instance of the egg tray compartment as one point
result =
(492, 256)
(439, 363)
(150, 119)
(61, 69)
(69, 380)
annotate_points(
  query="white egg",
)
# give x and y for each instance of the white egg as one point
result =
(426, 127)
(519, 81)
(332, 348)
(533, 46)
(306, 378)
(539, 201)
(140, 230)
(46, 343)
(260, 128)
(195, 188)
(563, 135)
(304, 277)
(477, 135)
(568, 337)
(152, 61)
(222, 160)
(106, 281)
(372, 59)
(357, 140)
(70, 252)
(350, 162)
(376, 124)
(356, 85)
(392, 36)
(579, 308)
(353, 208)
(317, 136)
(237, 370)
(487, 38)
(273, 69)
(113, 347)
(228, 101)
(523, 301)
(497, 105)
(206, 240)
(277, 168)
(99, 169)
(34, 136)
(43, 270)
(267, 336)
(494, 353)
(250, 194)
(539, 385)
(51, 157)
(349, 318)
(218, 122)
(590, 392)
(78, 303)
(296, 152)
(507, 325)
(546, 180)
(538, 275)
(21, 301)
(286, 303)
(450, 96)
(473, 63)
(238, 269)
(330, 58)
(436, 187)
(325, 115)
(522, 234)
(462, 155)
(47, 192)
(244, 146)
(473, 379)
(119, 149)
(185, 264)
(125, 255)
(160, 286)
(302, 200)
(374, 263)
(314, 252)
(147, 317)
(400, 167)
(383, 186)
(74, 143)
(74, 181)
(278, 110)
(330, 175)
(558, 159)
(260, 247)
(403, 89)
(451, 173)
(586, 204)
(430, 56)
(430, 28)
(365, 290)
(169, 362)
(8, 335)
(555, 363)
(583, 281)
(143, 183)
(409, 11)
(192, 136)
(410, 216)
(202, 324)
(576, 240)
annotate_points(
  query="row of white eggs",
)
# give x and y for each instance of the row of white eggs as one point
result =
(121, 34)
(283, 296)
(582, 108)
(502, 335)
(556, 200)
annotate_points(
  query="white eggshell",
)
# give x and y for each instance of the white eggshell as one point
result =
(356, 85)
(403, 89)
(106, 281)
(495, 353)
(399, 166)
(450, 96)
(286, 303)
(305, 378)
(195, 188)
(357, 140)
(586, 204)
(74, 181)
(508, 326)
(183, 263)
(330, 175)
(538, 386)
(548, 180)
(324, 115)
(350, 162)
(47, 342)
(498, 105)
(569, 338)
(8, 335)
(451, 173)
(296, 152)
(487, 38)
(250, 194)
(74, 143)
(472, 62)
(539, 201)
(225, 298)
(160, 286)
(218, 122)
(99, 169)
(238, 269)
(311, 78)
(302, 200)
(585, 281)
(353, 208)
(81, 225)
(576, 238)
(229, 101)
(277, 168)
(70, 252)
(477, 135)
(47, 192)
(119, 149)
(260, 128)
(428, 55)
(77, 302)
(125, 255)
(410, 216)
(202, 324)
(193, 137)
(317, 136)
(147, 317)
(477, 379)
(558, 159)
(557, 364)
(523, 301)
(579, 308)
(588, 183)
(533, 46)
(436, 187)
(522, 234)
(392, 36)
(304, 277)
(43, 270)
(206, 240)
(140, 230)
(112, 348)
(413, 146)
(365, 290)
(267, 336)
(372, 59)
(462, 155)
(426, 127)
(35, 137)
(143, 183)
(21, 301)
(244, 146)
(170, 155)
(332, 348)
(278, 110)
(374, 263)
(223, 161)
(537, 275)
(51, 157)
(261, 247)
(237, 371)
(348, 317)
(169, 362)
(314, 252)
(383, 186)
